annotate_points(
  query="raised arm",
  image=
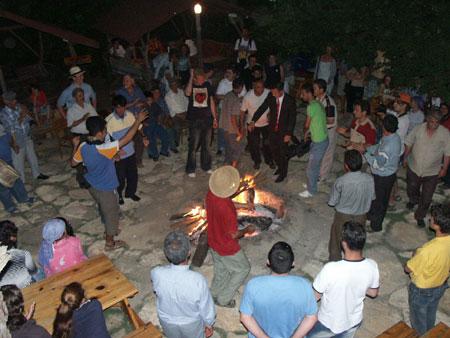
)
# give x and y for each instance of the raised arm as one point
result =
(188, 89)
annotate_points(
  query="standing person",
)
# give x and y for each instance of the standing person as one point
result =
(316, 127)
(429, 271)
(428, 154)
(342, 286)
(258, 138)
(231, 265)
(291, 296)
(320, 93)
(17, 190)
(282, 116)
(135, 99)
(244, 47)
(246, 75)
(326, 69)
(416, 115)
(386, 91)
(20, 324)
(231, 124)
(78, 316)
(184, 65)
(183, 301)
(273, 71)
(201, 110)
(66, 100)
(355, 90)
(177, 104)
(383, 159)
(14, 118)
(78, 113)
(351, 196)
(118, 123)
(98, 157)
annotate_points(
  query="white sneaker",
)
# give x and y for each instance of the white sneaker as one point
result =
(305, 194)
(304, 185)
(191, 175)
(209, 172)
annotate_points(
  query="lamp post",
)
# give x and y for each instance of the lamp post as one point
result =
(198, 26)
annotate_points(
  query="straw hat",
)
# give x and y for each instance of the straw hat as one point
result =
(4, 257)
(224, 181)
(75, 71)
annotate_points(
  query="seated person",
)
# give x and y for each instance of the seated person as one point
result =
(39, 104)
(20, 268)
(19, 324)
(59, 250)
(79, 317)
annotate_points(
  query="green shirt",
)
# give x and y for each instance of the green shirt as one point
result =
(318, 125)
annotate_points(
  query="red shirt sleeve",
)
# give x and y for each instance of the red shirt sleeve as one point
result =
(371, 135)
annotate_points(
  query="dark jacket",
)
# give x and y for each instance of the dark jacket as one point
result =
(89, 322)
(30, 330)
(288, 114)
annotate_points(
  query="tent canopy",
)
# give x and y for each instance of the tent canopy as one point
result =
(50, 29)
(131, 19)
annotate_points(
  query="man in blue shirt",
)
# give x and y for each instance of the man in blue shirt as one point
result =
(383, 159)
(66, 100)
(183, 300)
(279, 305)
(98, 157)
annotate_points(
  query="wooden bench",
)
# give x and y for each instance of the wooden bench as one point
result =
(147, 331)
(439, 331)
(58, 131)
(99, 278)
(399, 330)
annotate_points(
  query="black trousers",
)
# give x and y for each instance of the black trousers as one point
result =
(199, 135)
(255, 138)
(279, 150)
(126, 170)
(420, 191)
(378, 208)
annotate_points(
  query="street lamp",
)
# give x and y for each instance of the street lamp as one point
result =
(198, 26)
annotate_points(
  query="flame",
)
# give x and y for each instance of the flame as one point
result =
(194, 212)
(242, 197)
(249, 181)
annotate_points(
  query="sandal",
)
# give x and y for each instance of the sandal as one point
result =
(115, 245)
(119, 230)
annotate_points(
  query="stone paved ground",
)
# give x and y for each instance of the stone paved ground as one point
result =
(165, 189)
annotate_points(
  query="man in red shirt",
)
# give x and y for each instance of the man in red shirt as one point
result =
(231, 266)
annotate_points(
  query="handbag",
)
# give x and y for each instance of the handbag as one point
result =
(8, 175)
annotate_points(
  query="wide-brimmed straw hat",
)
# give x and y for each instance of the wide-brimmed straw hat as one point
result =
(4, 257)
(224, 181)
(75, 71)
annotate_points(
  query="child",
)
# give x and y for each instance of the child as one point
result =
(59, 250)
(429, 270)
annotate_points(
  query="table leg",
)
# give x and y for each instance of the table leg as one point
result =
(132, 315)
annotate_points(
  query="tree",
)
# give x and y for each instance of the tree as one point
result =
(414, 34)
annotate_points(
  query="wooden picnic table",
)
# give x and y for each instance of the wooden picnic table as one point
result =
(99, 278)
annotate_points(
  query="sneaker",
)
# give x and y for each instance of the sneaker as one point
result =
(231, 304)
(174, 150)
(42, 177)
(305, 194)
(121, 201)
(304, 185)
(134, 197)
(164, 154)
(209, 172)
(191, 175)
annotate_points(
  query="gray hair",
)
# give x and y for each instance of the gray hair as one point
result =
(177, 247)
(76, 91)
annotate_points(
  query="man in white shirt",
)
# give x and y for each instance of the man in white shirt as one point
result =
(78, 113)
(177, 103)
(320, 93)
(244, 47)
(252, 100)
(183, 300)
(342, 286)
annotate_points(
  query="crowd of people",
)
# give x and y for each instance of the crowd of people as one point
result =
(249, 109)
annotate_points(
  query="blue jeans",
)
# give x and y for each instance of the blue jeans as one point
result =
(17, 190)
(321, 331)
(316, 154)
(199, 135)
(154, 132)
(173, 137)
(423, 304)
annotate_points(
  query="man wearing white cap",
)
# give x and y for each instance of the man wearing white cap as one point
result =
(66, 99)
(231, 265)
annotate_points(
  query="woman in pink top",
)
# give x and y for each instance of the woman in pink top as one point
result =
(60, 248)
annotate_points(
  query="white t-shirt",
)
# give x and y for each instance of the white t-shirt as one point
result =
(192, 47)
(241, 43)
(251, 103)
(343, 286)
(75, 113)
(176, 102)
(225, 86)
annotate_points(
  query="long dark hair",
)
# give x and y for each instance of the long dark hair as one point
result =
(71, 299)
(12, 296)
(7, 230)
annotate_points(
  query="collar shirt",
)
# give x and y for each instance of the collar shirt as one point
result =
(384, 157)
(251, 103)
(182, 295)
(427, 151)
(77, 112)
(10, 120)
(176, 102)
(66, 99)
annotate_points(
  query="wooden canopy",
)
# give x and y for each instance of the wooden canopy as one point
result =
(131, 19)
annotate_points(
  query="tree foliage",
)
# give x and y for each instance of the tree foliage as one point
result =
(414, 34)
